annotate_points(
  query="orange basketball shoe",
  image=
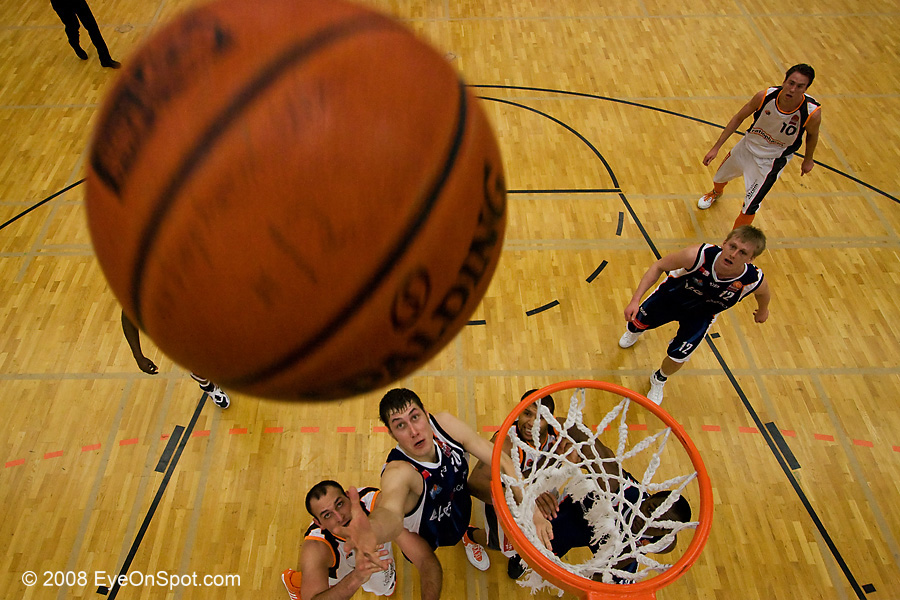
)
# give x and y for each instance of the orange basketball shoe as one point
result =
(288, 578)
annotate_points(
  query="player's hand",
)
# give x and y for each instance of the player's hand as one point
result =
(365, 567)
(710, 156)
(146, 365)
(548, 505)
(359, 534)
(807, 166)
(631, 310)
(544, 529)
(760, 315)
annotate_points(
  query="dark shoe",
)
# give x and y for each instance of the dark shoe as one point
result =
(79, 52)
(515, 568)
(111, 64)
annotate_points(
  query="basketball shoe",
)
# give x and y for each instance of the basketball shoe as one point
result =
(217, 394)
(629, 339)
(476, 554)
(707, 200)
(655, 394)
(516, 567)
(288, 578)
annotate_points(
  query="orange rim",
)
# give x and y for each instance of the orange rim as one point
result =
(571, 582)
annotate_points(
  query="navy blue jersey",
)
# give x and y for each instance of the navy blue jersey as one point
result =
(443, 511)
(700, 291)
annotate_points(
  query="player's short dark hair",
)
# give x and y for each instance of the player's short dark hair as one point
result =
(751, 235)
(545, 401)
(679, 511)
(803, 69)
(396, 400)
(319, 490)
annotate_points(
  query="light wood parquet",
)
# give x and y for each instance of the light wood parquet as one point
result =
(644, 83)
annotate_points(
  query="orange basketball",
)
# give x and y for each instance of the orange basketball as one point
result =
(294, 198)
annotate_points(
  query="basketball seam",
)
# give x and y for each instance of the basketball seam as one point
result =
(264, 79)
(390, 261)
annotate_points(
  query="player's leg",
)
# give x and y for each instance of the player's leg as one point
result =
(758, 180)
(475, 552)
(90, 24)
(730, 168)
(217, 394)
(70, 22)
(688, 337)
(652, 313)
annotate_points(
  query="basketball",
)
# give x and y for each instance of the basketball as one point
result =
(294, 198)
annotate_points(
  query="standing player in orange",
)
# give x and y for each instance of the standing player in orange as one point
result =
(780, 116)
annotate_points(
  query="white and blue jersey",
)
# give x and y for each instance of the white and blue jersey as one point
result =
(442, 512)
(694, 297)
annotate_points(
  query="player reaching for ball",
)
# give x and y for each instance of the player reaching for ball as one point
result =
(423, 483)
(133, 337)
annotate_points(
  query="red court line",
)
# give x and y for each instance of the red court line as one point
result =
(380, 429)
(53, 454)
(237, 430)
(490, 428)
(91, 447)
(896, 448)
(823, 437)
(346, 429)
(273, 430)
(789, 432)
(638, 427)
(711, 428)
(15, 463)
(865, 443)
(165, 436)
(748, 429)
(128, 442)
(309, 430)
(201, 433)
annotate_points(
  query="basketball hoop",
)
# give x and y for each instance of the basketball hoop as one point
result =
(616, 541)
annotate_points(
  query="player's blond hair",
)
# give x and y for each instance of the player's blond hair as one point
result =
(751, 235)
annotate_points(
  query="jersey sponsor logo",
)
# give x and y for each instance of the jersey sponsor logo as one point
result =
(736, 286)
(767, 137)
(434, 491)
(795, 119)
(439, 513)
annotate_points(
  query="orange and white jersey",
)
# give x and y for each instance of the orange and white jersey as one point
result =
(343, 562)
(774, 133)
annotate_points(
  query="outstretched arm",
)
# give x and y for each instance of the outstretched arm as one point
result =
(133, 337)
(385, 522)
(683, 259)
(735, 122)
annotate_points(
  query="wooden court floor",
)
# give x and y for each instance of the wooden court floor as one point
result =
(604, 110)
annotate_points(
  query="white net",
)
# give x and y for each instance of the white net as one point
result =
(625, 527)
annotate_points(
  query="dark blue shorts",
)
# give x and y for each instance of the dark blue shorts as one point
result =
(658, 310)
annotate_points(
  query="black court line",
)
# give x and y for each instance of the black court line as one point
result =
(787, 473)
(112, 592)
(620, 224)
(782, 446)
(596, 272)
(41, 203)
(477, 322)
(541, 309)
(674, 114)
(772, 446)
(170, 448)
(565, 190)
